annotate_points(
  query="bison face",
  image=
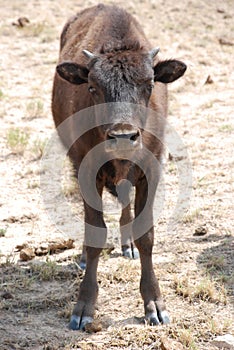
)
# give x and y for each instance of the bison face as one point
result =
(125, 78)
(121, 76)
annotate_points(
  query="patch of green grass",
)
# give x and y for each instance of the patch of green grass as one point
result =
(38, 147)
(172, 168)
(191, 216)
(105, 254)
(17, 140)
(3, 232)
(35, 109)
(215, 263)
(33, 184)
(8, 260)
(46, 271)
(225, 278)
(226, 128)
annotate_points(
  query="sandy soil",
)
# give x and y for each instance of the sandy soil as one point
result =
(195, 271)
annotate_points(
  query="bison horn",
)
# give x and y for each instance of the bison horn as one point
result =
(154, 52)
(88, 54)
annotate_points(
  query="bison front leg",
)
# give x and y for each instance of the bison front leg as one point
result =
(95, 237)
(155, 310)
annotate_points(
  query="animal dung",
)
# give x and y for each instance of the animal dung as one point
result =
(28, 252)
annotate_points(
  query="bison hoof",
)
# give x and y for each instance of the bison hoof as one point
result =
(154, 319)
(82, 265)
(78, 323)
(74, 323)
(135, 253)
(131, 253)
(164, 317)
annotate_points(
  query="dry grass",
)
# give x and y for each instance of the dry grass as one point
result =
(187, 339)
(205, 290)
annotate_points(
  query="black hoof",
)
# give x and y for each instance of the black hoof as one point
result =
(135, 253)
(82, 265)
(74, 323)
(78, 323)
(164, 317)
(127, 253)
(154, 319)
(130, 253)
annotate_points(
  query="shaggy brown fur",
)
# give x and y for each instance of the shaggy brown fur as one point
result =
(122, 70)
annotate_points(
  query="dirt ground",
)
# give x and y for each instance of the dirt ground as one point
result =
(194, 261)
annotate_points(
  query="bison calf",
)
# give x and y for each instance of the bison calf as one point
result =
(107, 64)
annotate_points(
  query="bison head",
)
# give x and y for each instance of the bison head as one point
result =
(124, 77)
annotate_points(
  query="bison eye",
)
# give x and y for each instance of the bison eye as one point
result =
(91, 89)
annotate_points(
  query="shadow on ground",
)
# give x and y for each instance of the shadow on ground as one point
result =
(218, 260)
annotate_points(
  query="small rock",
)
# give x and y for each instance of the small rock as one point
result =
(27, 254)
(169, 344)
(200, 231)
(7, 295)
(21, 22)
(224, 341)
(21, 246)
(209, 80)
(219, 10)
(224, 41)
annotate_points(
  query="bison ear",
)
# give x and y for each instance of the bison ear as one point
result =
(168, 71)
(73, 72)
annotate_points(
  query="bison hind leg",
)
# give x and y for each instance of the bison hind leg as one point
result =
(130, 252)
(123, 190)
(82, 262)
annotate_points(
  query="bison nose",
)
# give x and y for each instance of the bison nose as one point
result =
(123, 140)
(127, 135)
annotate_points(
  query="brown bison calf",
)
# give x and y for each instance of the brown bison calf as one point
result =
(108, 69)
